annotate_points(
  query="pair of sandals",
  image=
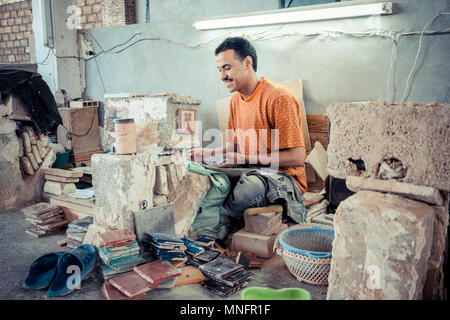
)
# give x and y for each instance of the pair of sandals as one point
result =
(57, 270)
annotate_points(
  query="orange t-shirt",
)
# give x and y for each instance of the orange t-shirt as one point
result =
(271, 106)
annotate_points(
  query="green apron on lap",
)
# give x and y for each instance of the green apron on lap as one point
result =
(211, 219)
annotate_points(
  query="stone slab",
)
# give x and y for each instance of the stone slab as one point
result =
(189, 196)
(375, 133)
(63, 173)
(408, 190)
(158, 219)
(59, 188)
(381, 248)
(161, 184)
(60, 179)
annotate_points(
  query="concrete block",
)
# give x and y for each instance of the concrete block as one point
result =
(157, 219)
(381, 248)
(407, 190)
(123, 184)
(390, 141)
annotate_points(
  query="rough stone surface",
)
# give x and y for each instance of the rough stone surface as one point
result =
(172, 180)
(122, 184)
(159, 200)
(161, 186)
(189, 196)
(422, 193)
(33, 161)
(15, 190)
(433, 288)
(376, 133)
(36, 154)
(381, 247)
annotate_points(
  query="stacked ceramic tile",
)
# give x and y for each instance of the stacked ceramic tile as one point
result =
(119, 252)
(60, 181)
(165, 246)
(44, 219)
(225, 276)
(135, 284)
(77, 230)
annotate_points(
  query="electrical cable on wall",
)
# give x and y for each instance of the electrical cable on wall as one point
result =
(407, 85)
(271, 35)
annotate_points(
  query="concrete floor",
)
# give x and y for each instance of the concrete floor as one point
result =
(18, 250)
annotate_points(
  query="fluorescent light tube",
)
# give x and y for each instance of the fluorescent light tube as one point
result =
(347, 11)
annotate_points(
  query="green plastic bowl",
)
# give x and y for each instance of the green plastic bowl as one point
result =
(260, 293)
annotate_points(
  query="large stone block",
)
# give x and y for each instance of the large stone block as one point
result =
(433, 287)
(161, 112)
(408, 190)
(123, 184)
(381, 247)
(390, 141)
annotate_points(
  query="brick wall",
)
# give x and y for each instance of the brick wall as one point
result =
(15, 29)
(119, 12)
(91, 16)
(99, 13)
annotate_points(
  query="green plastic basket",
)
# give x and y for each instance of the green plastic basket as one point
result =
(261, 293)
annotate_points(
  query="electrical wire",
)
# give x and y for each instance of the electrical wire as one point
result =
(407, 85)
(94, 110)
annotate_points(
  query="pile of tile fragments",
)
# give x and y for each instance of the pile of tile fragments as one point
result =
(163, 260)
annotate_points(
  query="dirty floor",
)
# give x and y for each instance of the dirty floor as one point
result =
(18, 250)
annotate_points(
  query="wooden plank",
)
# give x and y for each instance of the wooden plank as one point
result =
(80, 121)
(321, 137)
(317, 123)
(310, 173)
(296, 88)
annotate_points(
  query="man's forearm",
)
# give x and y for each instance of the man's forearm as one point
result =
(293, 157)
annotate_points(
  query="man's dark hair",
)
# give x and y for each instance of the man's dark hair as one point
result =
(242, 47)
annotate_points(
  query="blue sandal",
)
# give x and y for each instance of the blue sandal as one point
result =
(84, 257)
(42, 271)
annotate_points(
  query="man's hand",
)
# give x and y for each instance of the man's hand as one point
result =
(233, 159)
